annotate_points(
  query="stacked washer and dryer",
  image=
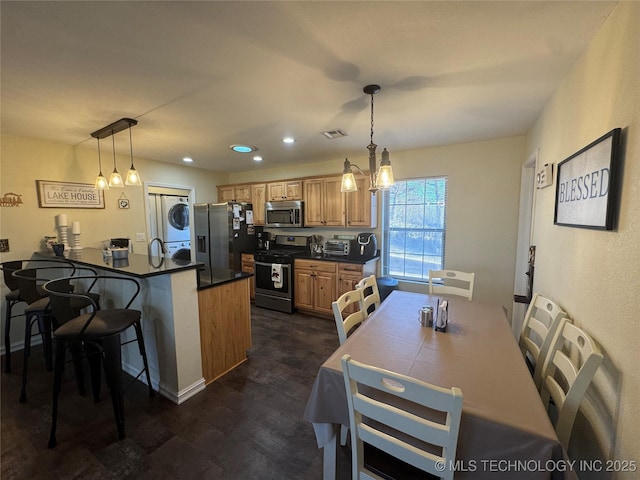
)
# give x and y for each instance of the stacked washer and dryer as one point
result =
(170, 222)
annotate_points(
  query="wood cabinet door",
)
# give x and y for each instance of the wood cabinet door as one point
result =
(313, 204)
(325, 289)
(276, 191)
(361, 206)
(243, 193)
(304, 289)
(258, 195)
(334, 208)
(226, 194)
(293, 190)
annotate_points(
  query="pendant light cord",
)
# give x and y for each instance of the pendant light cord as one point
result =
(372, 118)
(99, 159)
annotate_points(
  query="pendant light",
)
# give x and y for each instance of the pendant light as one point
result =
(115, 180)
(101, 181)
(133, 177)
(381, 179)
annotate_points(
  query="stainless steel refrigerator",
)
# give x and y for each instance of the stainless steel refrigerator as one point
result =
(223, 231)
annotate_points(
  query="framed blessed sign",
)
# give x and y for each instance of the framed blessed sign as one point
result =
(586, 185)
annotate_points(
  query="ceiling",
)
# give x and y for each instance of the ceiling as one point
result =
(200, 76)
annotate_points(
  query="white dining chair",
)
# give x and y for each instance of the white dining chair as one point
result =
(345, 324)
(451, 282)
(411, 438)
(575, 355)
(538, 329)
(370, 294)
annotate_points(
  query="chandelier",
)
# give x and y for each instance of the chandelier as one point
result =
(379, 178)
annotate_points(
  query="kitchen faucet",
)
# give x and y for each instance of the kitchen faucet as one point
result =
(163, 249)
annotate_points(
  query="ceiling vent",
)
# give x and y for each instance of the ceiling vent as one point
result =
(337, 133)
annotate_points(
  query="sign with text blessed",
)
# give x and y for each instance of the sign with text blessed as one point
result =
(68, 195)
(586, 185)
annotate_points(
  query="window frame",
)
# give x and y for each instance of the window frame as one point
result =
(386, 230)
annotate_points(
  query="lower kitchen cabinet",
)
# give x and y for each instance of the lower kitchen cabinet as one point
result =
(248, 266)
(225, 327)
(350, 273)
(315, 286)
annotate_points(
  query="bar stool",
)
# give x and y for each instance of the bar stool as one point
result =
(31, 282)
(13, 298)
(99, 330)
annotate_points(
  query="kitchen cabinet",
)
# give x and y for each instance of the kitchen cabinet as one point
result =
(315, 286)
(361, 206)
(248, 266)
(225, 327)
(351, 273)
(324, 203)
(258, 197)
(285, 190)
(234, 193)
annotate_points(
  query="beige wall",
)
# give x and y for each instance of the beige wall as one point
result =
(25, 160)
(482, 210)
(595, 275)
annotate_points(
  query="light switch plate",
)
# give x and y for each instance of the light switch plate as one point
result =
(141, 237)
(544, 177)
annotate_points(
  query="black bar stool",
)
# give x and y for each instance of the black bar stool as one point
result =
(99, 330)
(13, 298)
(31, 281)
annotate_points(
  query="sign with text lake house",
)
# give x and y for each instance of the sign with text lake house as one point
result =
(68, 195)
(586, 185)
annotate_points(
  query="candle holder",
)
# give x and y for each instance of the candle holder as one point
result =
(76, 242)
(64, 235)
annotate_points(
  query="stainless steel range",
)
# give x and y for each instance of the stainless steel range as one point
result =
(274, 272)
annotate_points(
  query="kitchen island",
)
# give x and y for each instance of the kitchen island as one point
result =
(171, 317)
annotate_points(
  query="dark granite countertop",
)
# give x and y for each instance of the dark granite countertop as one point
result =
(335, 258)
(136, 265)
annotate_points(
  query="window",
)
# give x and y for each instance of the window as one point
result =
(414, 226)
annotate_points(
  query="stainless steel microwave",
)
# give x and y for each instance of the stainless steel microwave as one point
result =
(284, 214)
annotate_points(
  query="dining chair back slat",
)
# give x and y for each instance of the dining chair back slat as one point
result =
(370, 294)
(538, 329)
(451, 282)
(384, 412)
(570, 366)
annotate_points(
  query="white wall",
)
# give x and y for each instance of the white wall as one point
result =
(595, 275)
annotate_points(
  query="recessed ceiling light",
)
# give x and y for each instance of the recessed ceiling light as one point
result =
(243, 148)
(187, 160)
(257, 158)
(288, 140)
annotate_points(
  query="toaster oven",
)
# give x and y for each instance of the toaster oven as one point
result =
(338, 248)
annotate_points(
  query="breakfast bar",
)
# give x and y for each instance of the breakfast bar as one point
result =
(171, 317)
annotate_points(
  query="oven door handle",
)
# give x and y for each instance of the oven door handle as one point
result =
(284, 265)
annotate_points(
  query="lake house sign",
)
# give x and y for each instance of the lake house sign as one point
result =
(68, 195)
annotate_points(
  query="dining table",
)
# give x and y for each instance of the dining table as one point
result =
(505, 430)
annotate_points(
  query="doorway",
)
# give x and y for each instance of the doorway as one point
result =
(524, 271)
(169, 216)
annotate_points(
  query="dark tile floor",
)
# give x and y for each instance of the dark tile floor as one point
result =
(246, 425)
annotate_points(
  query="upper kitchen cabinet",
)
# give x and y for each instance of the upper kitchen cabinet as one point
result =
(361, 206)
(285, 190)
(324, 203)
(234, 193)
(258, 195)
